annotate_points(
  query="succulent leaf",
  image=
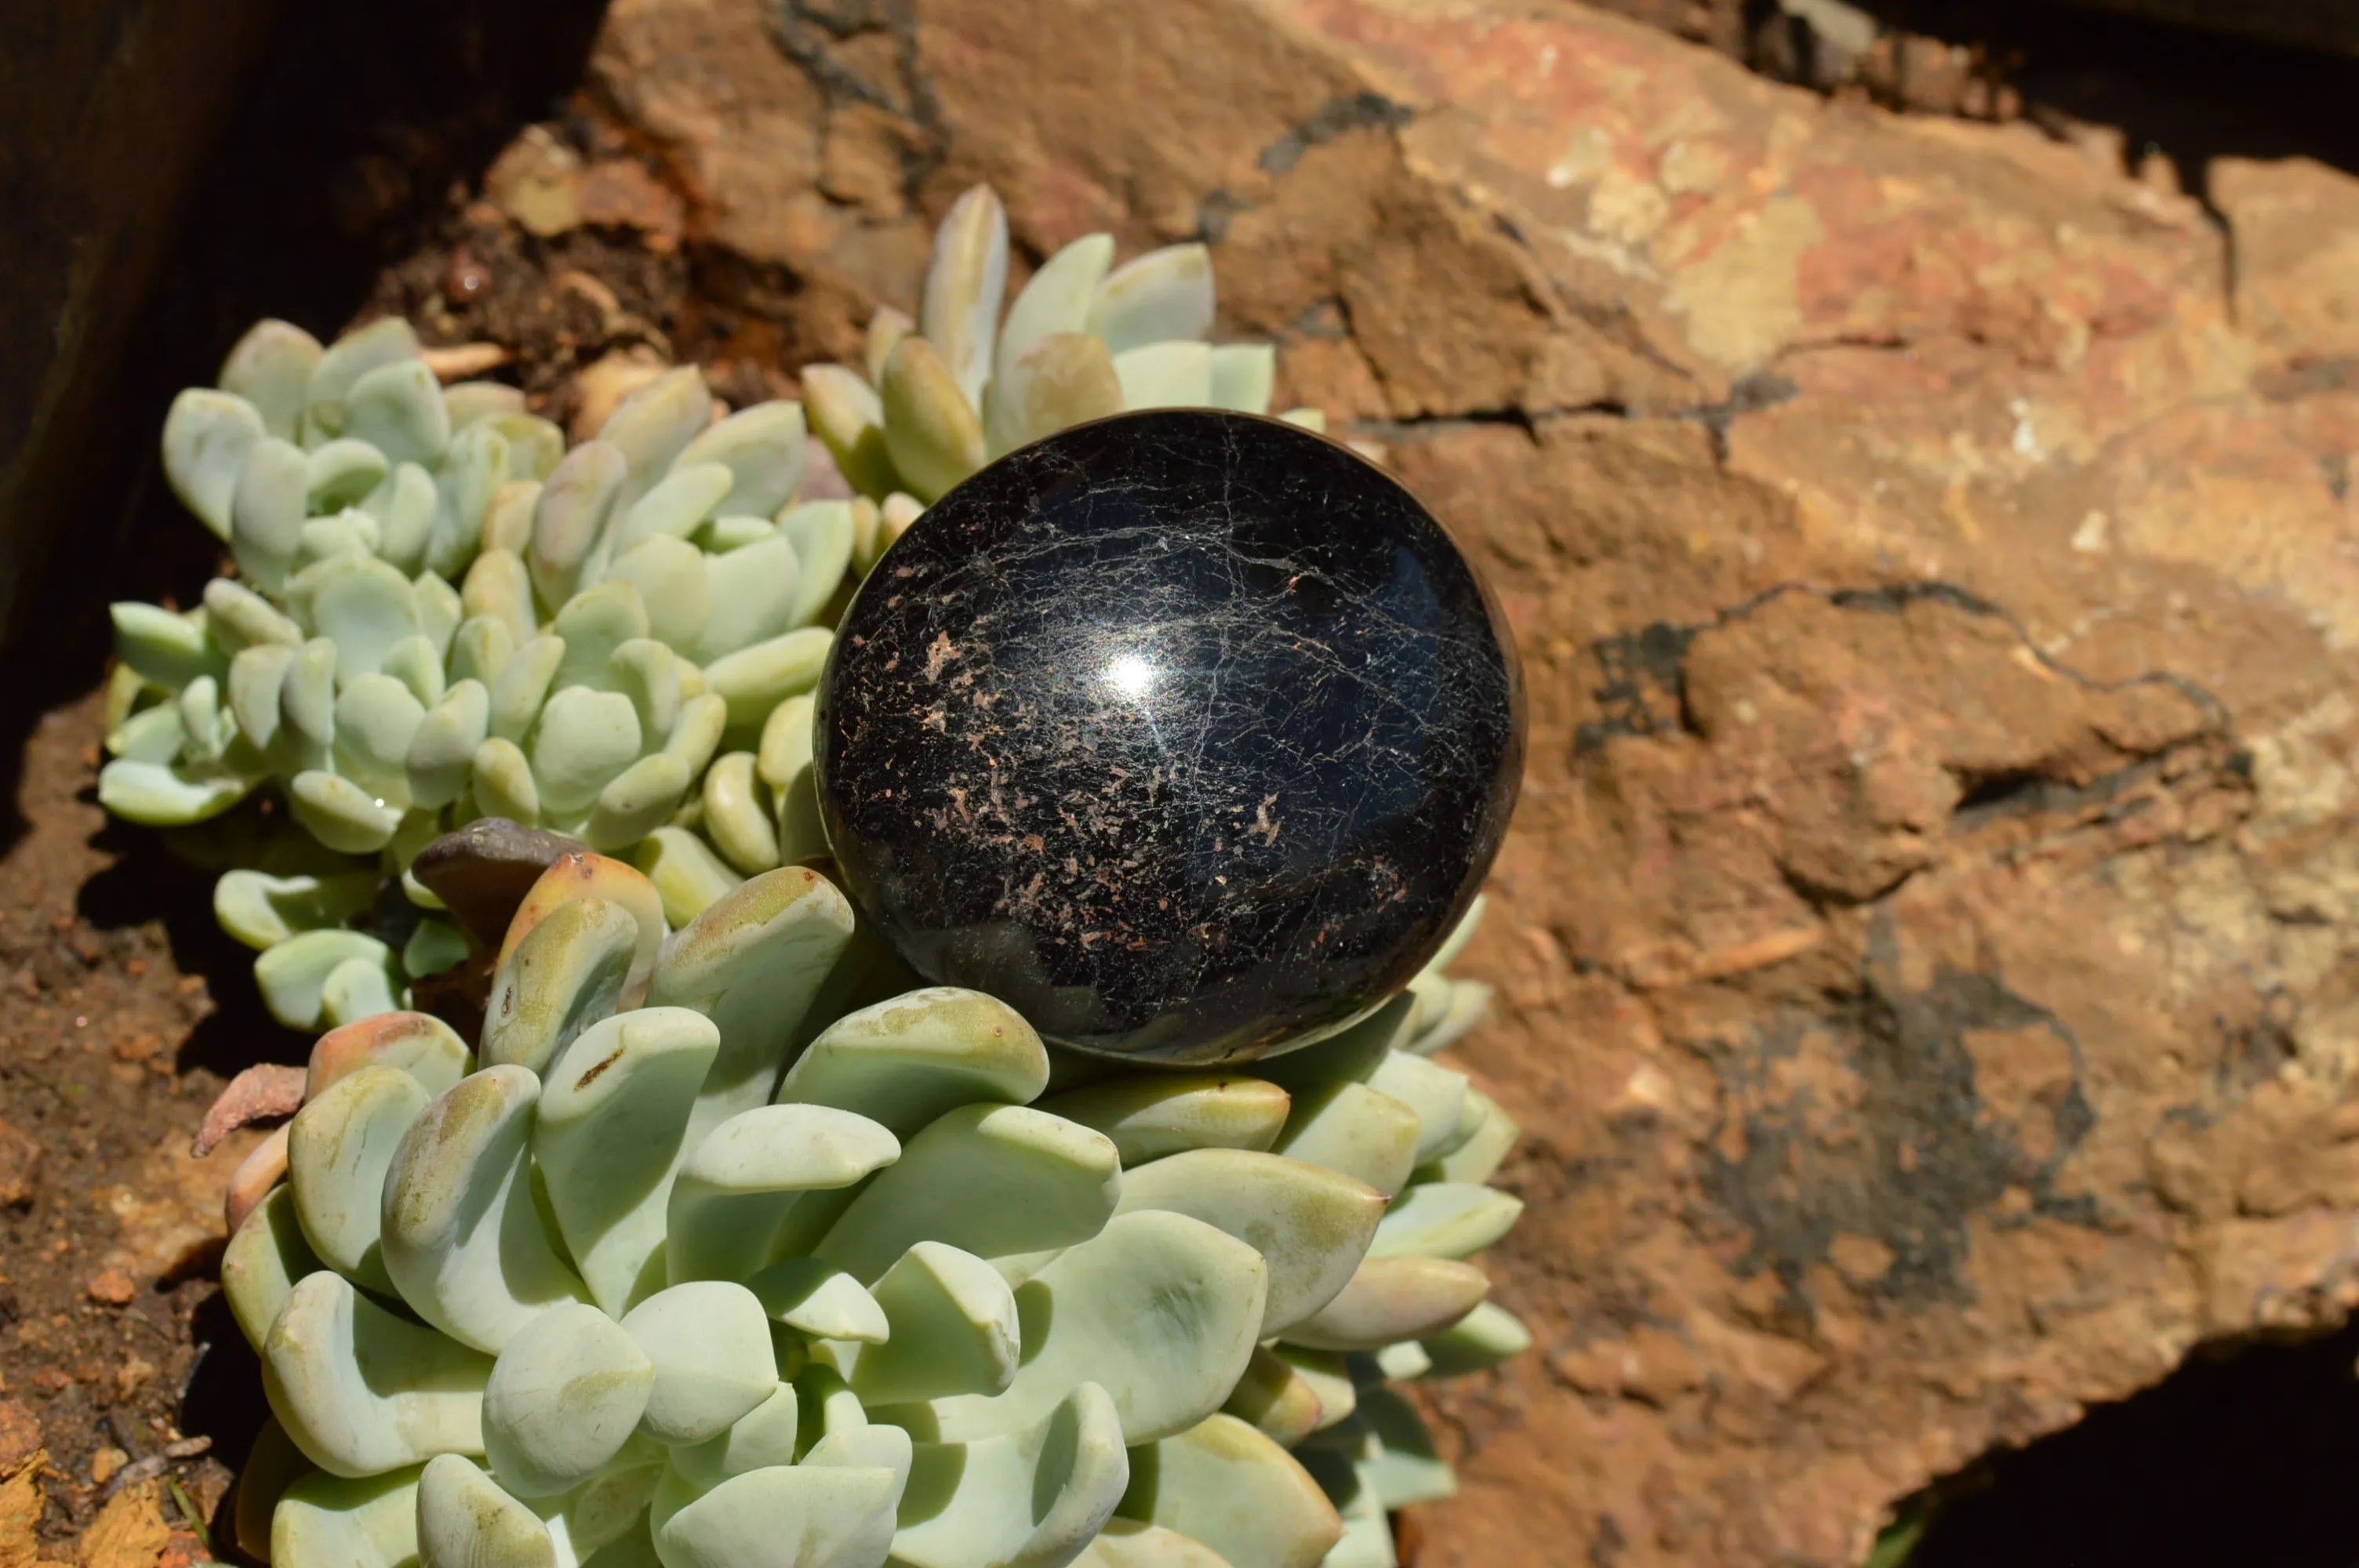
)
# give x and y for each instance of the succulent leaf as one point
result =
(1031, 1499)
(752, 594)
(1489, 1133)
(821, 535)
(1436, 1093)
(1161, 295)
(674, 507)
(562, 1400)
(965, 280)
(1350, 1127)
(670, 577)
(1061, 379)
(270, 367)
(465, 1242)
(801, 1516)
(637, 801)
(710, 1343)
(267, 509)
(818, 1301)
(1312, 1226)
(272, 1465)
(294, 974)
(263, 911)
(418, 1044)
(1393, 1299)
(566, 972)
(572, 515)
(908, 1060)
(1150, 1116)
(155, 795)
(263, 1259)
(931, 428)
(886, 327)
(1445, 1220)
(654, 424)
(1392, 1452)
(1243, 374)
(614, 1117)
(363, 1391)
(761, 446)
(497, 585)
(763, 1437)
(1165, 375)
(464, 1520)
(1276, 1400)
(734, 818)
(523, 683)
(848, 416)
(1231, 1487)
(398, 410)
(368, 1521)
(752, 962)
(153, 735)
(508, 521)
(1159, 1309)
(996, 1180)
(687, 875)
(208, 436)
(756, 680)
(953, 1330)
(334, 374)
(166, 649)
(764, 1186)
(1057, 300)
(1126, 1543)
(339, 1147)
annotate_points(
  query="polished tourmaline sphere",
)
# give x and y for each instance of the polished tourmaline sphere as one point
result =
(1190, 734)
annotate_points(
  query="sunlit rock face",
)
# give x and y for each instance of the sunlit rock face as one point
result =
(1188, 733)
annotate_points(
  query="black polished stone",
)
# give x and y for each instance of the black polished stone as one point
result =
(1189, 734)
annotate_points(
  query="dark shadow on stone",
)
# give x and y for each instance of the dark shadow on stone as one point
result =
(2188, 94)
(2236, 1458)
(347, 145)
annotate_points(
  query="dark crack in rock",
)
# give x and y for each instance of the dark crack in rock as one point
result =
(1190, 734)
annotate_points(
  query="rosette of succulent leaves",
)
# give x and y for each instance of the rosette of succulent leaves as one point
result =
(714, 1253)
(439, 613)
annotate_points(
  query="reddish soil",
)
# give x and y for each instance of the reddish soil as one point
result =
(109, 1043)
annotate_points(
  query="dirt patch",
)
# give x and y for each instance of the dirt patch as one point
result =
(107, 1239)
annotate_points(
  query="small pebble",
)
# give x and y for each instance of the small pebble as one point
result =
(112, 1287)
(465, 279)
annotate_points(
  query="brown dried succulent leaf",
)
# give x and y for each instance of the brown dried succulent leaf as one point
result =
(264, 1092)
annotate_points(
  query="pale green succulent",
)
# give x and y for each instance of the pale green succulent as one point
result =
(938, 397)
(637, 622)
(561, 682)
(625, 609)
(697, 1262)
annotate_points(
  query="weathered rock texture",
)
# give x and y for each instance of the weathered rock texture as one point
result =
(1925, 950)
